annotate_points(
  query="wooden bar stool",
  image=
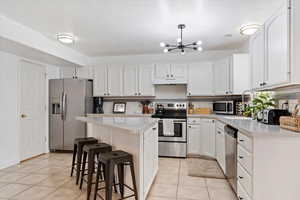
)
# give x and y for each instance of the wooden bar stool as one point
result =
(77, 153)
(110, 160)
(91, 152)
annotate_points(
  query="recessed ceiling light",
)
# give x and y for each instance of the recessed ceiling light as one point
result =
(249, 29)
(65, 38)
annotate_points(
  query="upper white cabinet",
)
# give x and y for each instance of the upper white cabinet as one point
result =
(221, 77)
(277, 47)
(77, 72)
(138, 80)
(108, 80)
(170, 74)
(240, 73)
(257, 59)
(200, 79)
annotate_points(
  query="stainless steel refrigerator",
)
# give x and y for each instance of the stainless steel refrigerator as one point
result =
(69, 98)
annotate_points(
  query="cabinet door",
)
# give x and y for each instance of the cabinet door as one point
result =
(162, 72)
(67, 72)
(194, 139)
(131, 81)
(146, 87)
(100, 81)
(257, 59)
(220, 148)
(85, 72)
(178, 72)
(221, 77)
(277, 47)
(207, 139)
(200, 79)
(115, 80)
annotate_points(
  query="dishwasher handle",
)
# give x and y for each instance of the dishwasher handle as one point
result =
(231, 131)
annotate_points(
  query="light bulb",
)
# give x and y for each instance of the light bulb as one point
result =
(199, 42)
(162, 44)
(166, 50)
(249, 29)
(178, 40)
(199, 49)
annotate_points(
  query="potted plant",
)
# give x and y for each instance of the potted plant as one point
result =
(262, 101)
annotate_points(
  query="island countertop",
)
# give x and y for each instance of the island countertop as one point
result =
(132, 124)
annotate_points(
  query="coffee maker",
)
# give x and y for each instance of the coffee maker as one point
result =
(98, 105)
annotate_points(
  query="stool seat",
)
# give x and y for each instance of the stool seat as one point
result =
(97, 148)
(116, 157)
(85, 140)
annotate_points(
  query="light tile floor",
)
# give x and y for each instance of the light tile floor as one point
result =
(48, 177)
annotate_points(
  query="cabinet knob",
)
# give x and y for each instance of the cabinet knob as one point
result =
(241, 157)
(135, 93)
(240, 177)
(168, 75)
(172, 75)
(219, 132)
(190, 126)
(140, 93)
(241, 198)
(154, 128)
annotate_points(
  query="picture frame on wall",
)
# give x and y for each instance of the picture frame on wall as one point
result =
(119, 107)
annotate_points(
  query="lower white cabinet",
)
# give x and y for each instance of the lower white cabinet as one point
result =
(220, 147)
(201, 137)
(150, 157)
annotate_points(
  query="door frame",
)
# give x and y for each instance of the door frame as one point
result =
(46, 124)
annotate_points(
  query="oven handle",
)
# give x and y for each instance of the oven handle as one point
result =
(179, 121)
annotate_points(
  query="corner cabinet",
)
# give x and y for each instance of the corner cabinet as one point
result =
(138, 80)
(200, 79)
(170, 74)
(108, 80)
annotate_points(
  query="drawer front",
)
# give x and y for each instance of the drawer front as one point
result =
(241, 193)
(220, 125)
(245, 179)
(245, 141)
(244, 158)
(193, 120)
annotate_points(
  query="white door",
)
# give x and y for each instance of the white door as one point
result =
(32, 110)
(200, 79)
(115, 80)
(257, 59)
(131, 80)
(100, 81)
(178, 72)
(277, 47)
(207, 137)
(221, 77)
(146, 87)
(162, 72)
(194, 139)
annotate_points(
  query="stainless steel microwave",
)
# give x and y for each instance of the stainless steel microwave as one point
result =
(224, 107)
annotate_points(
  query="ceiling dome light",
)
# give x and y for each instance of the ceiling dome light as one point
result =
(199, 42)
(162, 44)
(249, 29)
(199, 49)
(65, 38)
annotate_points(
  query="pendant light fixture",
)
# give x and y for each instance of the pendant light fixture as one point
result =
(180, 44)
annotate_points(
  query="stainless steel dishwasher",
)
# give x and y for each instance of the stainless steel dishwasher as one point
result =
(231, 155)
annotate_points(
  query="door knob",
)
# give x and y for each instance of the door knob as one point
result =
(23, 116)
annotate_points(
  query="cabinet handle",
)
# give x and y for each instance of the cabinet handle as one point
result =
(140, 93)
(240, 177)
(261, 84)
(241, 140)
(172, 75)
(168, 75)
(135, 93)
(190, 126)
(190, 93)
(154, 128)
(219, 132)
(241, 198)
(241, 157)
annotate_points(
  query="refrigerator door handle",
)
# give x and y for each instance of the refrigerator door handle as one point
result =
(64, 112)
(62, 106)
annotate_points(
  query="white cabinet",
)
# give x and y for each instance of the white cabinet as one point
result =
(240, 73)
(108, 80)
(200, 79)
(150, 156)
(170, 74)
(201, 137)
(277, 47)
(220, 147)
(77, 72)
(194, 139)
(138, 80)
(257, 59)
(207, 138)
(221, 77)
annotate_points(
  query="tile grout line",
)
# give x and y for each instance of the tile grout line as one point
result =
(178, 179)
(209, 196)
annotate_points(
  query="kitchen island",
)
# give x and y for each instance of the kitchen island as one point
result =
(134, 135)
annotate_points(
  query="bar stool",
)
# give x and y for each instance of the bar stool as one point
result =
(91, 152)
(77, 152)
(110, 160)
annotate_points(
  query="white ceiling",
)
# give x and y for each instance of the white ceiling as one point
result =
(120, 27)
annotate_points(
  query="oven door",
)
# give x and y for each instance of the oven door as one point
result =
(179, 131)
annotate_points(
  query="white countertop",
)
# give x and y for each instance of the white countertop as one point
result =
(250, 127)
(118, 115)
(134, 125)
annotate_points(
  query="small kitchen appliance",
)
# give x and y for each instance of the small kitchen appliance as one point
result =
(172, 131)
(98, 105)
(271, 116)
(224, 107)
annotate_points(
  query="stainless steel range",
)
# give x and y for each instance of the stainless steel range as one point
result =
(172, 129)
